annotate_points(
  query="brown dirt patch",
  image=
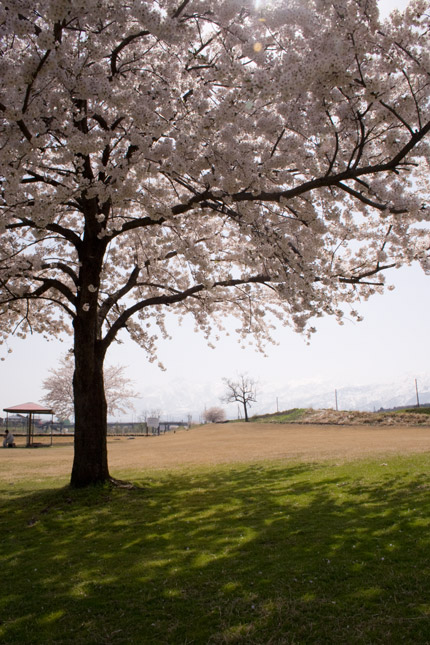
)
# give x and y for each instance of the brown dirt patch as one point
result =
(355, 417)
(216, 444)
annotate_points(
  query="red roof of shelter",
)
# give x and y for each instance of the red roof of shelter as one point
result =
(29, 407)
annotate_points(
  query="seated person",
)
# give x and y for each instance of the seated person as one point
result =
(9, 440)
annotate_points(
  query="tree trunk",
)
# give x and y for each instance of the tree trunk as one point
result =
(246, 411)
(90, 465)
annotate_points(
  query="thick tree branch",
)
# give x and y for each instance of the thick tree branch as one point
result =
(206, 197)
(180, 9)
(66, 233)
(65, 268)
(116, 52)
(360, 278)
(114, 298)
(52, 283)
(333, 180)
(39, 294)
(36, 177)
(34, 76)
(367, 201)
(175, 298)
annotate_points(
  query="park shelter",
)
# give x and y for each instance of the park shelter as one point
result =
(32, 410)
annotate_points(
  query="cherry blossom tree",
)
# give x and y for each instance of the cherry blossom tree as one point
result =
(214, 414)
(243, 390)
(206, 158)
(59, 389)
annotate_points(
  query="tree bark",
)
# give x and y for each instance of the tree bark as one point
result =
(90, 465)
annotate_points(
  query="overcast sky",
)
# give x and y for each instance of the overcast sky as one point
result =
(389, 346)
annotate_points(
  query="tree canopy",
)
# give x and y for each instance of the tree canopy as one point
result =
(59, 389)
(204, 157)
(215, 414)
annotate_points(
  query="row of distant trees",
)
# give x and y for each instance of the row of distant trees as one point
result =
(119, 393)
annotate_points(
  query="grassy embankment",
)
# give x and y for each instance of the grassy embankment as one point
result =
(274, 553)
(406, 416)
(286, 416)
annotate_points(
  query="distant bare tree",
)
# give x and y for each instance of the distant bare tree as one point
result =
(59, 389)
(153, 412)
(214, 415)
(243, 390)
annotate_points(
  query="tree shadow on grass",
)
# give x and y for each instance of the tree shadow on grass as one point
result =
(258, 554)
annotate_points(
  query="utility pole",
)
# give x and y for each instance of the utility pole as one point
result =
(335, 398)
(277, 406)
(416, 390)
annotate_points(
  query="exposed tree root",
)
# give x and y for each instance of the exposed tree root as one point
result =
(119, 483)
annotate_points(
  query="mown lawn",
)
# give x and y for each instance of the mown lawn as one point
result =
(268, 553)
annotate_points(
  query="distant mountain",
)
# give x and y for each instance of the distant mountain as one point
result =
(181, 398)
(353, 397)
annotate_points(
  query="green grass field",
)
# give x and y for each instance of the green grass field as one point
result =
(269, 553)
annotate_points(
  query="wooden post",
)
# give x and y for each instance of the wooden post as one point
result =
(29, 430)
(416, 390)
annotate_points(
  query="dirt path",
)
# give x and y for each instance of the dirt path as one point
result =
(214, 444)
